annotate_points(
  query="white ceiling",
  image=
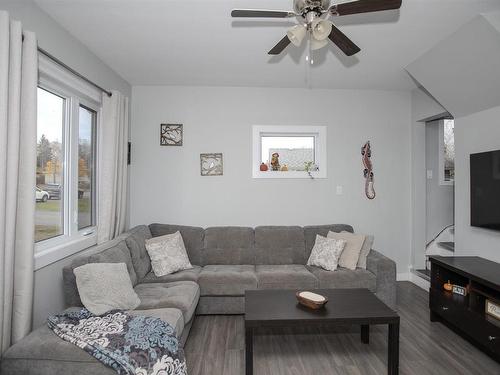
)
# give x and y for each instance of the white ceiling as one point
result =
(193, 42)
(476, 64)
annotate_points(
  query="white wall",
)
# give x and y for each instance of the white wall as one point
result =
(475, 133)
(48, 296)
(166, 185)
(440, 198)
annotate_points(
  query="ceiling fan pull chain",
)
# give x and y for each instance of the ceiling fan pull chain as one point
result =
(310, 53)
(307, 67)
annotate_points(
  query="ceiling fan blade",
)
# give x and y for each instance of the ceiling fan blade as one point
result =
(343, 42)
(278, 48)
(262, 13)
(364, 6)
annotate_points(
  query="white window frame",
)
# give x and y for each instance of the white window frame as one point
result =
(319, 134)
(442, 180)
(76, 92)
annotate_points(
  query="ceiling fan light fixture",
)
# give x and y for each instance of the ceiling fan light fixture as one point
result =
(321, 29)
(318, 44)
(296, 34)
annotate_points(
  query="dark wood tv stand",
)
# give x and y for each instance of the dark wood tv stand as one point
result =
(466, 314)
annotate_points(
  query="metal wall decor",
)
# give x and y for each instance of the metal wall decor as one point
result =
(366, 153)
(211, 164)
(171, 135)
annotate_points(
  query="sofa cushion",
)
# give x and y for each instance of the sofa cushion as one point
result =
(289, 276)
(279, 245)
(135, 239)
(49, 354)
(344, 278)
(229, 245)
(43, 352)
(192, 237)
(311, 231)
(116, 254)
(182, 295)
(227, 280)
(185, 275)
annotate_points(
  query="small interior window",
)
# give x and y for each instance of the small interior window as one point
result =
(294, 152)
(289, 151)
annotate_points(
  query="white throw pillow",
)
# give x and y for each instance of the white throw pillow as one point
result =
(105, 286)
(326, 253)
(354, 243)
(168, 254)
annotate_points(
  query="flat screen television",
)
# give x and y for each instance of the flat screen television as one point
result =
(485, 190)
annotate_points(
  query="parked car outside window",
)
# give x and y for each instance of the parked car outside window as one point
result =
(54, 190)
(41, 195)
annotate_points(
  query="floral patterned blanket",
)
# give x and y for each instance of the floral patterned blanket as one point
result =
(138, 345)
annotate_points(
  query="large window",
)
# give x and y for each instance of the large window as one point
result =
(49, 219)
(86, 167)
(60, 191)
(66, 170)
(289, 152)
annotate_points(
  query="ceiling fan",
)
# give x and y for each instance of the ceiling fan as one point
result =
(313, 18)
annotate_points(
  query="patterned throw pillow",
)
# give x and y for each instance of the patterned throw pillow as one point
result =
(168, 254)
(326, 253)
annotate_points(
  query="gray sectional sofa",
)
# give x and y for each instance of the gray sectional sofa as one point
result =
(226, 262)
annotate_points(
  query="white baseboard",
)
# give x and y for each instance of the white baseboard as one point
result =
(403, 277)
(420, 282)
(415, 279)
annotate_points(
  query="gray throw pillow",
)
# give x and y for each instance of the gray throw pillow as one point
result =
(365, 250)
(105, 286)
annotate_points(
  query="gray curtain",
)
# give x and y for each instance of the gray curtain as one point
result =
(113, 180)
(18, 90)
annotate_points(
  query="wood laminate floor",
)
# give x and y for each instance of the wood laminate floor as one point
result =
(216, 347)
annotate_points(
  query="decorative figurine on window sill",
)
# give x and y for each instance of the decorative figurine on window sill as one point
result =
(275, 162)
(284, 168)
(264, 167)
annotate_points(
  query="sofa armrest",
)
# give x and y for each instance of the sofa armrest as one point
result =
(385, 272)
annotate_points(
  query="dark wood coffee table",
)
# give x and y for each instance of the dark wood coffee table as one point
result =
(279, 308)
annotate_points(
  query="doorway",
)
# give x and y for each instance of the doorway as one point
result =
(440, 191)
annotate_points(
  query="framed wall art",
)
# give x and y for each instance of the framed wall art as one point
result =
(211, 164)
(171, 134)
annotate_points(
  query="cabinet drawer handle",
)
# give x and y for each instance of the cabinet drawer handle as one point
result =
(491, 338)
(445, 308)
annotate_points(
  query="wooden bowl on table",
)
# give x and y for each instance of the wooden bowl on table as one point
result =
(311, 300)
